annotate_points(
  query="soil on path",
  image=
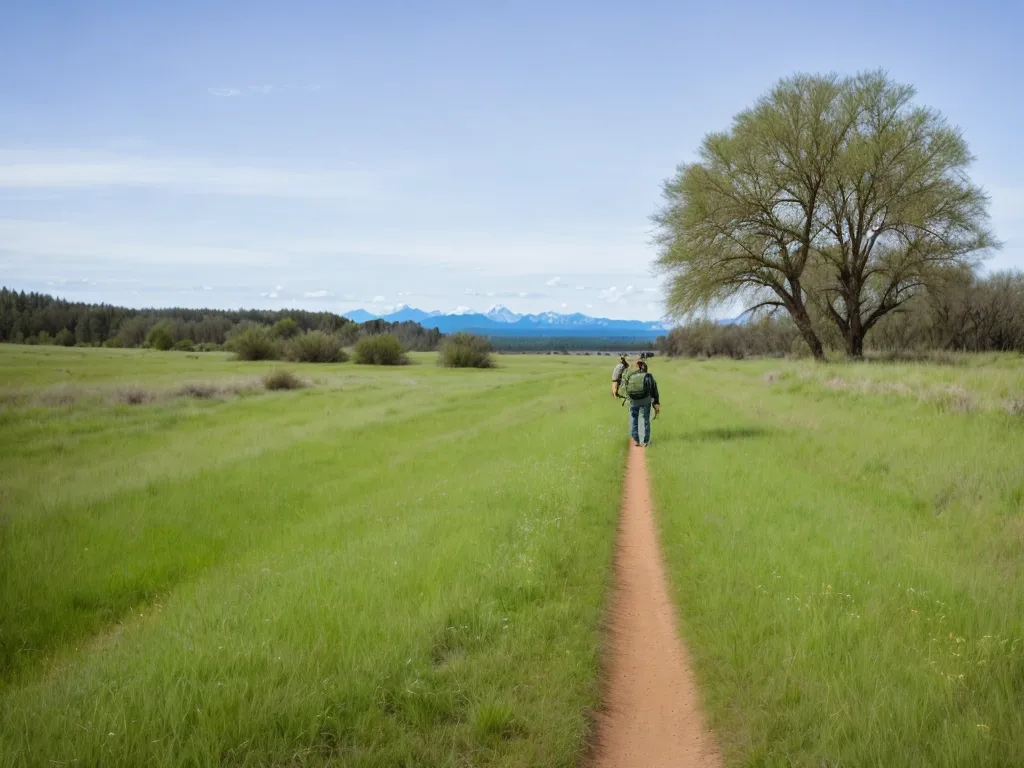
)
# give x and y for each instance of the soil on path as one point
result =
(651, 715)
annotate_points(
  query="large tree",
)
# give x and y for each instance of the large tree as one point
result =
(832, 198)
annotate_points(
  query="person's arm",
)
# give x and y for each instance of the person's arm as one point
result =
(654, 394)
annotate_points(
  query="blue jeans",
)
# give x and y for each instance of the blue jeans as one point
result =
(635, 409)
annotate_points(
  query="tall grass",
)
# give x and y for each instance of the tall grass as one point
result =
(244, 582)
(849, 564)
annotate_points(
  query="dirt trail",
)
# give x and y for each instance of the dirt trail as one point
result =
(652, 714)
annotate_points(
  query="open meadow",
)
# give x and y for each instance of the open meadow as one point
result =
(412, 565)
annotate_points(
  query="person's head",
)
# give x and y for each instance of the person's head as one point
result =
(641, 365)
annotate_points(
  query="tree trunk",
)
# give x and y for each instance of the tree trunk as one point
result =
(803, 324)
(855, 338)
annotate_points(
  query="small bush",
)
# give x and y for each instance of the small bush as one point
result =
(382, 349)
(160, 338)
(111, 343)
(185, 345)
(65, 338)
(133, 396)
(316, 347)
(198, 391)
(286, 328)
(254, 342)
(282, 379)
(464, 350)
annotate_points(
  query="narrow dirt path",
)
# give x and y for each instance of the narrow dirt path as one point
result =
(652, 713)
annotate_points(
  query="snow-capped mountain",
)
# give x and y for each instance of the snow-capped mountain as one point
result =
(500, 320)
(499, 313)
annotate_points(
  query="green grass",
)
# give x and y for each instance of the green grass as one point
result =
(409, 566)
(391, 567)
(849, 560)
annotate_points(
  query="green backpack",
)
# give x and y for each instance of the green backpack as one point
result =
(636, 386)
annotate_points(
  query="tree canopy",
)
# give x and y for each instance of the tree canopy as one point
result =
(833, 199)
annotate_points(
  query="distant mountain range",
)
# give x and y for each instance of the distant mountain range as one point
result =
(502, 321)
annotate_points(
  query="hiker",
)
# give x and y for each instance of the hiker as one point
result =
(620, 369)
(642, 392)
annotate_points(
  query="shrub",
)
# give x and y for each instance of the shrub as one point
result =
(45, 338)
(316, 347)
(382, 349)
(112, 343)
(464, 350)
(282, 379)
(286, 328)
(65, 338)
(254, 342)
(133, 396)
(185, 345)
(198, 391)
(160, 338)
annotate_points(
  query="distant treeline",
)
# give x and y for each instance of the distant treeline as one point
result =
(964, 313)
(36, 318)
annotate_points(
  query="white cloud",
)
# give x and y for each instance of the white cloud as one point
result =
(554, 281)
(224, 91)
(88, 170)
(615, 295)
(207, 287)
(264, 89)
(564, 305)
(269, 294)
(523, 294)
(379, 299)
(278, 288)
(316, 294)
(590, 306)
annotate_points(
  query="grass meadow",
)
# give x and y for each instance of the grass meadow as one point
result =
(401, 566)
(410, 566)
(846, 543)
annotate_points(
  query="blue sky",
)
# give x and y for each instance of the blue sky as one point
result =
(339, 155)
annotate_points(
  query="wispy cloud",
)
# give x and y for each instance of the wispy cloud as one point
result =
(316, 294)
(224, 91)
(554, 281)
(614, 295)
(87, 170)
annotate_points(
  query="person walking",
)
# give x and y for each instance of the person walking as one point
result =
(617, 375)
(642, 392)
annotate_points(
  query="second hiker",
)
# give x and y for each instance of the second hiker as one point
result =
(641, 390)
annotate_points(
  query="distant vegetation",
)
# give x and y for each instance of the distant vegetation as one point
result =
(36, 318)
(963, 313)
(380, 349)
(464, 350)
